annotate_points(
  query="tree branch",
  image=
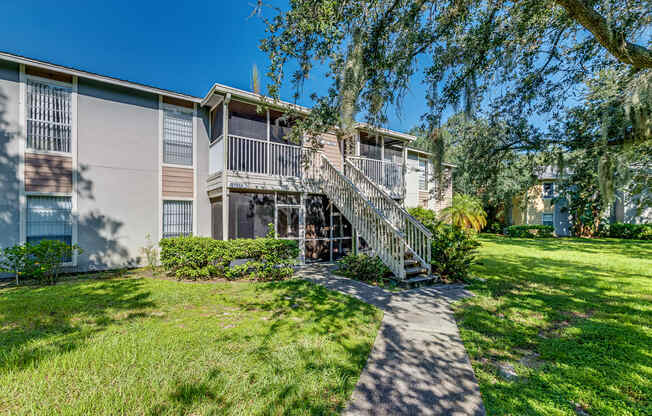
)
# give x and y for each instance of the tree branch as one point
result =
(614, 41)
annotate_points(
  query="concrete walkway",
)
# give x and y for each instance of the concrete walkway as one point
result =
(418, 364)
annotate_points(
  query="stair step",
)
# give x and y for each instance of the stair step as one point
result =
(419, 280)
(411, 271)
(411, 262)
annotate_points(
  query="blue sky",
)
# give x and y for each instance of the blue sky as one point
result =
(180, 46)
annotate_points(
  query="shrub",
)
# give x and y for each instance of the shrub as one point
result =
(42, 261)
(204, 257)
(363, 267)
(453, 247)
(530, 231)
(630, 231)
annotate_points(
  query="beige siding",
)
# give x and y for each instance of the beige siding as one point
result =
(332, 150)
(177, 182)
(48, 173)
(536, 206)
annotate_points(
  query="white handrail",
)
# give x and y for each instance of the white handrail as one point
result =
(418, 237)
(386, 240)
(263, 157)
(386, 173)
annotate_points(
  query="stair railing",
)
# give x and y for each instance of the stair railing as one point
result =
(418, 237)
(385, 239)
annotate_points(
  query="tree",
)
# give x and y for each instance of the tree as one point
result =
(488, 165)
(465, 212)
(518, 58)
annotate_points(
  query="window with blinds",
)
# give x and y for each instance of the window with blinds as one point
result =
(423, 175)
(177, 218)
(49, 218)
(177, 137)
(49, 116)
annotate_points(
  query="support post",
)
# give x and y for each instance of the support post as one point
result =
(225, 171)
(269, 148)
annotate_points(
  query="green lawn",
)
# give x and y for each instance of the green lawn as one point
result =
(574, 319)
(146, 346)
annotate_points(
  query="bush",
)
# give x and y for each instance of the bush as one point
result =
(42, 261)
(363, 267)
(453, 248)
(630, 231)
(530, 231)
(203, 257)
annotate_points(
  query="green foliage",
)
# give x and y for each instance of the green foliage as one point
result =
(453, 247)
(203, 257)
(42, 262)
(363, 267)
(530, 231)
(426, 216)
(160, 347)
(15, 260)
(631, 231)
(573, 318)
(465, 212)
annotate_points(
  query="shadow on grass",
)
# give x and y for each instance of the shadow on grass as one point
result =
(296, 309)
(58, 319)
(590, 326)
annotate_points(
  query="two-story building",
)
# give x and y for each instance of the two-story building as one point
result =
(102, 162)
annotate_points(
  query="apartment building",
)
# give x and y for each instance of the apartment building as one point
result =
(103, 163)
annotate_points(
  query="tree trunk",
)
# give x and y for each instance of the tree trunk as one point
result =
(614, 41)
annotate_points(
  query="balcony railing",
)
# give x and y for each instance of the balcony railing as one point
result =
(387, 174)
(255, 156)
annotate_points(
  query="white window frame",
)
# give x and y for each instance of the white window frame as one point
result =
(543, 216)
(192, 211)
(186, 112)
(543, 190)
(22, 145)
(424, 172)
(73, 116)
(73, 219)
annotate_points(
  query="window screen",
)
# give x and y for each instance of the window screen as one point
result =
(49, 116)
(49, 218)
(423, 174)
(177, 137)
(547, 219)
(177, 218)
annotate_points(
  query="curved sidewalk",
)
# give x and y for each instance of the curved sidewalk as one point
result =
(418, 364)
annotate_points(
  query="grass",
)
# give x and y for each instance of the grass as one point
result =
(146, 346)
(574, 319)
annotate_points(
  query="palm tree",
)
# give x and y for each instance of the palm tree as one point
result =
(255, 80)
(466, 212)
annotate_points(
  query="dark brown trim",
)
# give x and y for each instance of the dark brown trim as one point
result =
(179, 102)
(44, 73)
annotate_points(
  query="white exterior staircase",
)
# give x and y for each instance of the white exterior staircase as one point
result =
(401, 242)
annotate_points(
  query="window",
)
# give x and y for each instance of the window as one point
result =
(423, 174)
(177, 136)
(177, 218)
(547, 219)
(250, 214)
(49, 116)
(49, 218)
(548, 190)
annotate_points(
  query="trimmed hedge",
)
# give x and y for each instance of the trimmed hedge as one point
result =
(530, 231)
(631, 231)
(203, 257)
